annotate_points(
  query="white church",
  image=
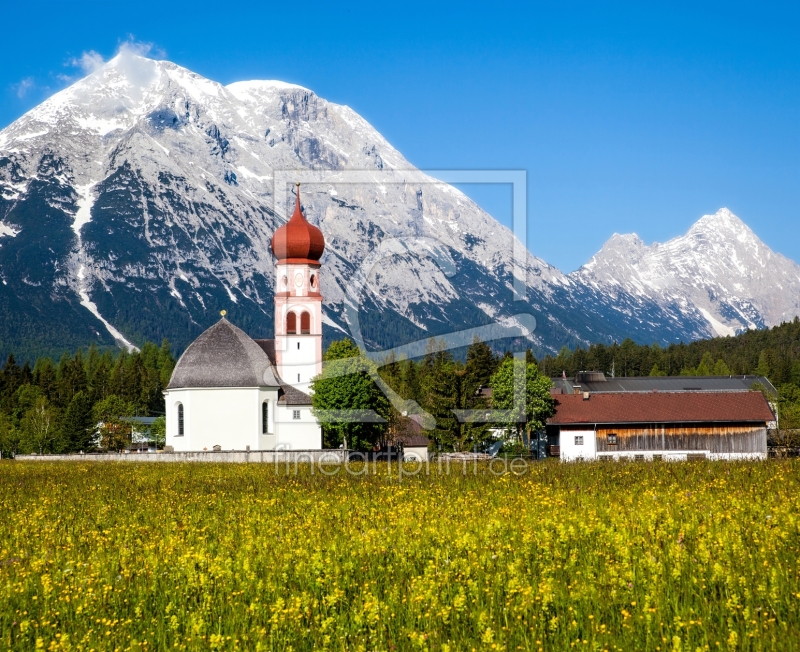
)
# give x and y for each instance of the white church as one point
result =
(236, 393)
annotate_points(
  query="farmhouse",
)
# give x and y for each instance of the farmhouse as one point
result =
(660, 425)
(231, 392)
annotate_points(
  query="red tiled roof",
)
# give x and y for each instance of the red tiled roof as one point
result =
(661, 407)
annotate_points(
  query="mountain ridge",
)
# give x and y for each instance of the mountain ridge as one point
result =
(707, 264)
(138, 202)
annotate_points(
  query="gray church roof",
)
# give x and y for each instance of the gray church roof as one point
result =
(223, 356)
(288, 395)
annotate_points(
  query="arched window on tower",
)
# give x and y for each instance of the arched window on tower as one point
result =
(265, 417)
(305, 323)
(180, 420)
(291, 323)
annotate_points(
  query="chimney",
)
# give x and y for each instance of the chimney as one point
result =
(586, 396)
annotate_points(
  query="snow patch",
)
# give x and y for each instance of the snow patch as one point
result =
(100, 126)
(247, 174)
(329, 322)
(230, 294)
(87, 303)
(7, 230)
(719, 328)
(85, 202)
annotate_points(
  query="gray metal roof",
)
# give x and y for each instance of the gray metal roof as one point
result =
(665, 384)
(223, 356)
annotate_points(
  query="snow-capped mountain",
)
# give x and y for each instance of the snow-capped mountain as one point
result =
(719, 269)
(140, 201)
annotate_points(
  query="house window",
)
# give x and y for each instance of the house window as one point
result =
(298, 378)
(265, 417)
(295, 414)
(298, 346)
(579, 440)
(291, 323)
(305, 323)
(612, 439)
(180, 419)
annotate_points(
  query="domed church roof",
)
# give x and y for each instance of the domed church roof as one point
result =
(298, 241)
(223, 356)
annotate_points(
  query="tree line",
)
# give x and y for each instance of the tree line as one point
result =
(438, 390)
(82, 402)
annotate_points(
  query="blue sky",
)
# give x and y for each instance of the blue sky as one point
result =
(627, 116)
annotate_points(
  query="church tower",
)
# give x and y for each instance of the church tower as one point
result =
(298, 246)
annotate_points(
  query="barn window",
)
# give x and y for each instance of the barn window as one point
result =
(612, 439)
(579, 440)
(180, 419)
(265, 417)
(291, 323)
(305, 323)
(295, 414)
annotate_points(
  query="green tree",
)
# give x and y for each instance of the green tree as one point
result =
(481, 364)
(720, 368)
(78, 424)
(655, 371)
(157, 433)
(10, 436)
(764, 366)
(343, 394)
(113, 416)
(539, 404)
(441, 391)
(706, 366)
(40, 428)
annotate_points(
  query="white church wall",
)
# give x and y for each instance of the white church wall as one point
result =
(226, 417)
(303, 433)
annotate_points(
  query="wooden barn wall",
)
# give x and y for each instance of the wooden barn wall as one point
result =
(728, 438)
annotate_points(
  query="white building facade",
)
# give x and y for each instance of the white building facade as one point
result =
(230, 392)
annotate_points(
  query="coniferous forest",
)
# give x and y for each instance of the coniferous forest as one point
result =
(56, 406)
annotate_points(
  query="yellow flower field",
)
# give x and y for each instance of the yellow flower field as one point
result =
(585, 556)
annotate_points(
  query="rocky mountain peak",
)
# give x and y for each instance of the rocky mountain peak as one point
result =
(719, 271)
(140, 201)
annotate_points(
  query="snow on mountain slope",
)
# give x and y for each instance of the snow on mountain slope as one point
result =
(719, 269)
(141, 200)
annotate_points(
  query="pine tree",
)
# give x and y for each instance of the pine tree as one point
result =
(481, 365)
(77, 426)
(44, 377)
(440, 389)
(71, 378)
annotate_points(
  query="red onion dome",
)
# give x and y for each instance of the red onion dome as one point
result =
(298, 241)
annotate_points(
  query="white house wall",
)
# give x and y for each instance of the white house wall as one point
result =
(571, 451)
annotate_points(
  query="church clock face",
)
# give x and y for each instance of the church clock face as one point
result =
(298, 280)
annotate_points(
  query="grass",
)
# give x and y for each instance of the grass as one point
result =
(584, 556)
